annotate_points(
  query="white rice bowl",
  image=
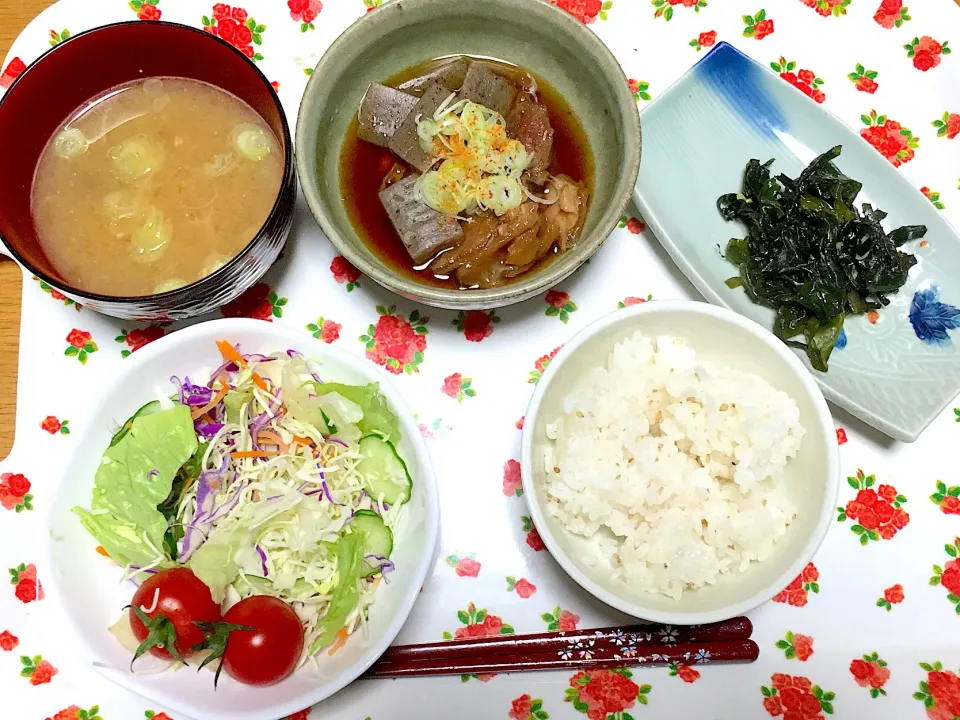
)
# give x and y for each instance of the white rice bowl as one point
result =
(808, 483)
(675, 466)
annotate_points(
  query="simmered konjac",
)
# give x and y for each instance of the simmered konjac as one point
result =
(483, 174)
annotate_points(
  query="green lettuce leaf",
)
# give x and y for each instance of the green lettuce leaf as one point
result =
(377, 417)
(349, 552)
(215, 563)
(234, 402)
(134, 477)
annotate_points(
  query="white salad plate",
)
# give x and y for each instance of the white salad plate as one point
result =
(812, 479)
(88, 586)
(896, 374)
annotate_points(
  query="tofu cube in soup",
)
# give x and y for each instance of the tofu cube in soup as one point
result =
(485, 87)
(382, 111)
(405, 143)
(423, 230)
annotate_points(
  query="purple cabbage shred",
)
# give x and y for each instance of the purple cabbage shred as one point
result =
(263, 559)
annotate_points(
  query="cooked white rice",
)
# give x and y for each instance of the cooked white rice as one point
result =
(674, 466)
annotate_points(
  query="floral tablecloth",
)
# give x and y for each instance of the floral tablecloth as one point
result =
(871, 629)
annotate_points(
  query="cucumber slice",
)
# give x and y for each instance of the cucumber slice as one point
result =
(149, 409)
(378, 539)
(383, 470)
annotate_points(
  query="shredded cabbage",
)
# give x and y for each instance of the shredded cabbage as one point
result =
(281, 524)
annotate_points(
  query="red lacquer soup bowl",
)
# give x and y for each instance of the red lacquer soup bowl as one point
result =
(88, 64)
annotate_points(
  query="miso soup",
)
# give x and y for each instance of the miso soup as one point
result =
(154, 185)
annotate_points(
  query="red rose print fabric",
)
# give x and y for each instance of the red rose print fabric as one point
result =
(15, 492)
(396, 343)
(828, 8)
(703, 40)
(235, 25)
(895, 142)
(806, 81)
(864, 80)
(8, 641)
(758, 26)
(345, 273)
(326, 330)
(797, 592)
(146, 9)
(796, 697)
(527, 708)
(685, 672)
(464, 565)
(476, 325)
(602, 693)
(586, 11)
(893, 595)
(511, 479)
(559, 619)
(796, 645)
(891, 14)
(523, 587)
(926, 52)
(478, 623)
(26, 587)
(533, 539)
(939, 692)
(878, 514)
(304, 12)
(136, 339)
(11, 72)
(948, 126)
(871, 672)
(38, 670)
(258, 302)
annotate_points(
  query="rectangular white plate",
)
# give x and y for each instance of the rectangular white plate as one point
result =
(697, 138)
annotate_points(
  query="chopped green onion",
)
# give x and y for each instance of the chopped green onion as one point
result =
(252, 141)
(70, 143)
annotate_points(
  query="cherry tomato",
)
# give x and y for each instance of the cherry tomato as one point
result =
(271, 651)
(177, 598)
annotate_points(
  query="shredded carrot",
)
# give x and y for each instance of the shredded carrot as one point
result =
(270, 437)
(103, 551)
(338, 643)
(259, 382)
(221, 393)
(302, 440)
(230, 353)
(254, 453)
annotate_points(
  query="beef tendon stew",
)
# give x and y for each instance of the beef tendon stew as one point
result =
(466, 173)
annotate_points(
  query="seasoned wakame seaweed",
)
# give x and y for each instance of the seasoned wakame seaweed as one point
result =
(810, 254)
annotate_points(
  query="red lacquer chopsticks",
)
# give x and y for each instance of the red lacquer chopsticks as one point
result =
(725, 642)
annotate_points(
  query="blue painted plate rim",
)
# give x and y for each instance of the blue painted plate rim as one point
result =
(712, 294)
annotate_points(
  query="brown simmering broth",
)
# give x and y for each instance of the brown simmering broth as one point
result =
(176, 178)
(363, 167)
